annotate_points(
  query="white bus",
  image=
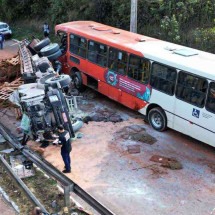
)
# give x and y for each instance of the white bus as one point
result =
(183, 90)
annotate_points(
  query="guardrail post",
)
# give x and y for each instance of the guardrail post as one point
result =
(67, 190)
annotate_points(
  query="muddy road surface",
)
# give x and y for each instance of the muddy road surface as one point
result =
(113, 162)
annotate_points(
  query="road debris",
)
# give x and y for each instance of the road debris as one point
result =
(135, 133)
(133, 149)
(7, 89)
(9, 69)
(170, 163)
(103, 115)
(19, 167)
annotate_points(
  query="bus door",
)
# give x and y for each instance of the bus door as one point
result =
(191, 117)
(63, 47)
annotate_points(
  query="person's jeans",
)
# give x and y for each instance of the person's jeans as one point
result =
(66, 159)
(1, 45)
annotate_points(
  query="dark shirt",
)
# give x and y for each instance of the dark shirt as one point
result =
(2, 38)
(65, 141)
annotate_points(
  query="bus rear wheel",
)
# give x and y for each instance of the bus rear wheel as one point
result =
(157, 119)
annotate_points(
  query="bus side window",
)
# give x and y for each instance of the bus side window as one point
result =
(138, 68)
(191, 89)
(163, 78)
(97, 53)
(78, 45)
(210, 103)
(117, 61)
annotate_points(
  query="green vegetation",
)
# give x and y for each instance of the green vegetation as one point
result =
(24, 29)
(187, 22)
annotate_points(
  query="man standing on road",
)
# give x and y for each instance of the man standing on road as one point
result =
(1, 40)
(65, 141)
(46, 29)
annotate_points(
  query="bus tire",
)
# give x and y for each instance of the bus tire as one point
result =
(42, 44)
(157, 119)
(78, 83)
(49, 49)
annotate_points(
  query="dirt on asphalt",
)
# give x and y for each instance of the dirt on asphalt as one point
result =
(103, 165)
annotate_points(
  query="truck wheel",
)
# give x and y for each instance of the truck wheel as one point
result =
(43, 79)
(64, 81)
(78, 83)
(42, 44)
(49, 49)
(157, 119)
(43, 66)
(55, 55)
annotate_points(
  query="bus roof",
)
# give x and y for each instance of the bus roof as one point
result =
(181, 57)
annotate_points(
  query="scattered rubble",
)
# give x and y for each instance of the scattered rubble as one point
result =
(133, 149)
(103, 115)
(9, 78)
(135, 133)
(170, 163)
(9, 69)
(7, 89)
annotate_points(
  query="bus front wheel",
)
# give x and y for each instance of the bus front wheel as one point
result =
(78, 83)
(157, 119)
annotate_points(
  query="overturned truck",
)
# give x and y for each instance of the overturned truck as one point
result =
(43, 97)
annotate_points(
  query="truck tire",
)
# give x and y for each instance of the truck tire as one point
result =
(49, 49)
(42, 44)
(43, 79)
(43, 66)
(55, 55)
(157, 119)
(64, 81)
(78, 83)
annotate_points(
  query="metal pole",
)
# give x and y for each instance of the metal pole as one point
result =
(30, 195)
(133, 16)
(67, 201)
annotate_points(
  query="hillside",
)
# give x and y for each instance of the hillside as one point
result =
(187, 22)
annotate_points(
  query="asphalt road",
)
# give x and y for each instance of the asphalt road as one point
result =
(10, 49)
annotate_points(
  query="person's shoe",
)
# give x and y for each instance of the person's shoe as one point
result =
(66, 171)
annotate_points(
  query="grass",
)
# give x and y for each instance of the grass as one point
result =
(27, 28)
(14, 192)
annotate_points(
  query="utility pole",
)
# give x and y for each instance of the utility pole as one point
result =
(133, 17)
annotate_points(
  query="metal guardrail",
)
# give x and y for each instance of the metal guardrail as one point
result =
(30, 195)
(69, 185)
